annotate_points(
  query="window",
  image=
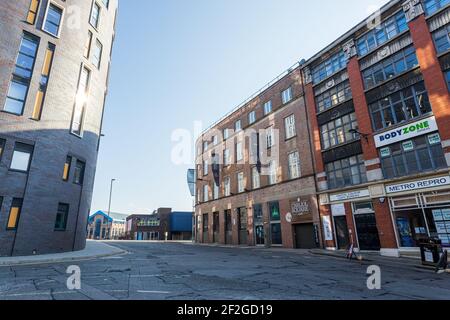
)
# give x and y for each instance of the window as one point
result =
(67, 165)
(401, 106)
(215, 140)
(337, 132)
(286, 95)
(238, 126)
(338, 94)
(205, 167)
(294, 165)
(205, 193)
(270, 138)
(391, 67)
(239, 152)
(97, 54)
(32, 12)
(79, 172)
(87, 45)
(205, 146)
(386, 31)
(432, 6)
(226, 134)
(226, 157)
(240, 179)
(337, 62)
(272, 172)
(289, 127)
(252, 117)
(14, 214)
(53, 20)
(61, 217)
(447, 77)
(442, 39)
(215, 191)
(106, 3)
(346, 172)
(275, 223)
(81, 102)
(21, 158)
(227, 186)
(267, 107)
(95, 15)
(2, 147)
(45, 74)
(421, 154)
(256, 178)
(18, 89)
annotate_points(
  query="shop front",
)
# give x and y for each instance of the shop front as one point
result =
(304, 230)
(421, 209)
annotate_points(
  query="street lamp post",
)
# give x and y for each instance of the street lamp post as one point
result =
(109, 207)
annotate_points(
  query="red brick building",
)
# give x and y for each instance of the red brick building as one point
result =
(372, 121)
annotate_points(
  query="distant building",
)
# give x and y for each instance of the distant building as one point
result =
(103, 227)
(162, 224)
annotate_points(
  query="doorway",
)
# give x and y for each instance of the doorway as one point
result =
(259, 235)
(228, 227)
(304, 236)
(243, 223)
(342, 235)
(216, 227)
(366, 227)
(205, 228)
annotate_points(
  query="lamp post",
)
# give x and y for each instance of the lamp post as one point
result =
(109, 207)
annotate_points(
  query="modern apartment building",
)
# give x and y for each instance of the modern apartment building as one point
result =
(255, 172)
(379, 109)
(55, 61)
(375, 105)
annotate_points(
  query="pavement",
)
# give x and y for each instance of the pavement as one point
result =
(93, 250)
(183, 271)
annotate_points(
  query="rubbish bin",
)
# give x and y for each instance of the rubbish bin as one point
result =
(430, 250)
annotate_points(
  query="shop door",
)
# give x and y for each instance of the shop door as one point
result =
(259, 235)
(366, 226)
(242, 218)
(304, 236)
(228, 227)
(342, 235)
(216, 228)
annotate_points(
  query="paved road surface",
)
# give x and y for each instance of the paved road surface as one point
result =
(184, 271)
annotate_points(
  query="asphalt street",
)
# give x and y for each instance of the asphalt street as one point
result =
(176, 271)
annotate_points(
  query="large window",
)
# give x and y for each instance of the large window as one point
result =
(14, 214)
(252, 117)
(45, 74)
(239, 152)
(205, 167)
(294, 165)
(80, 167)
(338, 131)
(286, 95)
(81, 102)
(442, 39)
(389, 68)
(346, 172)
(21, 158)
(227, 186)
(95, 15)
(289, 127)
(386, 31)
(226, 157)
(413, 156)
(241, 184)
(18, 88)
(273, 172)
(61, 217)
(401, 106)
(329, 67)
(238, 126)
(340, 93)
(432, 6)
(267, 107)
(256, 178)
(270, 138)
(205, 193)
(97, 54)
(53, 20)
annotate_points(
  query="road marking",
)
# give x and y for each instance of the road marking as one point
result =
(145, 275)
(156, 292)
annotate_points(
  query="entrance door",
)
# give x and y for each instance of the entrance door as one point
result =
(342, 235)
(242, 218)
(216, 224)
(304, 236)
(228, 227)
(366, 226)
(205, 228)
(259, 235)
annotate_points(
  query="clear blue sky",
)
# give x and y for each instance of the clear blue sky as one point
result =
(179, 61)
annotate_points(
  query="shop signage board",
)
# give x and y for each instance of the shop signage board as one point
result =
(338, 210)
(327, 231)
(419, 184)
(406, 132)
(349, 195)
